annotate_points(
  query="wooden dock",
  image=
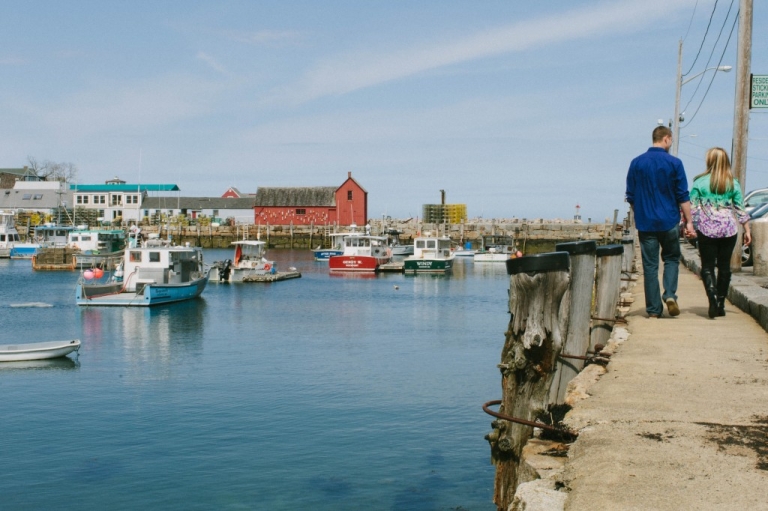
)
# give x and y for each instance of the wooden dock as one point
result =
(273, 277)
(392, 267)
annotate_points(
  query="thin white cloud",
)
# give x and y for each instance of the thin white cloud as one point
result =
(212, 62)
(11, 61)
(263, 36)
(343, 75)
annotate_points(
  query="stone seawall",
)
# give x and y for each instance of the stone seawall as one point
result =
(536, 234)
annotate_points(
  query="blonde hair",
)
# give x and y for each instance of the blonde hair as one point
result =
(719, 170)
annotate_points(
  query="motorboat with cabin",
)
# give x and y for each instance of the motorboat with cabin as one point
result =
(336, 247)
(46, 236)
(495, 249)
(248, 261)
(102, 248)
(398, 249)
(430, 254)
(153, 272)
(362, 253)
(9, 236)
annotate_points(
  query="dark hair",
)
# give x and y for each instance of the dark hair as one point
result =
(660, 132)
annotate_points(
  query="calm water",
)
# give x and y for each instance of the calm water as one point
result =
(315, 393)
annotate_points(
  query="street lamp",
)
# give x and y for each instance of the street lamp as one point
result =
(680, 82)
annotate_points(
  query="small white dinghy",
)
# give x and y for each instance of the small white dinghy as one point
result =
(37, 350)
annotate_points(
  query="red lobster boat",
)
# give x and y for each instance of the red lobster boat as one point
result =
(362, 253)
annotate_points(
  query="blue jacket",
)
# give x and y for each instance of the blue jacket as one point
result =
(656, 186)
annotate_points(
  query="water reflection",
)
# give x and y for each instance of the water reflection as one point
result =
(155, 335)
(50, 364)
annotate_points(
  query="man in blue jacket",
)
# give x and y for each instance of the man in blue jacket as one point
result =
(657, 190)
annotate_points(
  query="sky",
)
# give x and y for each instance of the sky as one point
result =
(516, 109)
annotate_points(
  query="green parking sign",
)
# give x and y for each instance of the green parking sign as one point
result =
(759, 98)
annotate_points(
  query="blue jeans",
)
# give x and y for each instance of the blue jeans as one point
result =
(669, 242)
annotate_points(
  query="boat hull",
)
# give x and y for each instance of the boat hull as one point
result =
(24, 251)
(489, 257)
(37, 351)
(355, 263)
(427, 265)
(325, 254)
(145, 296)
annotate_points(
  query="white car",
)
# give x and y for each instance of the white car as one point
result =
(755, 198)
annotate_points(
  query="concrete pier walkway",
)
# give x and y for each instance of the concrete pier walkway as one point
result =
(680, 420)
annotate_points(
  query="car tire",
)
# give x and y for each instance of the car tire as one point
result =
(746, 255)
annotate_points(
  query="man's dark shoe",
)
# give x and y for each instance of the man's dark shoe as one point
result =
(672, 307)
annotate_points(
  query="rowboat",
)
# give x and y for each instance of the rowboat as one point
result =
(37, 350)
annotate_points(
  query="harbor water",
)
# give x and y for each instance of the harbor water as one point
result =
(323, 393)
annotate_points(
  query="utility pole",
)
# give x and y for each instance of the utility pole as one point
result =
(679, 85)
(741, 108)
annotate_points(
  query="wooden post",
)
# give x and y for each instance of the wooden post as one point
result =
(291, 229)
(627, 262)
(311, 231)
(582, 254)
(606, 292)
(538, 305)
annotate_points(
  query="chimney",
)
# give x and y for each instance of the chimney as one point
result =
(349, 174)
(442, 197)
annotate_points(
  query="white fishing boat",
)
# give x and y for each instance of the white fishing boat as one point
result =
(156, 272)
(398, 248)
(337, 245)
(249, 260)
(37, 350)
(8, 234)
(496, 249)
(101, 248)
(45, 236)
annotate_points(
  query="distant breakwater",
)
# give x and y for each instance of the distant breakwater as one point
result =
(530, 236)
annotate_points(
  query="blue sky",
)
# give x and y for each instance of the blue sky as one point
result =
(513, 108)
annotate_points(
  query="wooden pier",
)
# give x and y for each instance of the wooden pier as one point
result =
(273, 277)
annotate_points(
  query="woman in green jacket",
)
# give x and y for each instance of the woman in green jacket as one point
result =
(717, 208)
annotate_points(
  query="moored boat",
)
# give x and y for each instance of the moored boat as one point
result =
(46, 236)
(336, 248)
(248, 261)
(362, 253)
(430, 254)
(496, 249)
(9, 236)
(37, 350)
(154, 273)
(397, 247)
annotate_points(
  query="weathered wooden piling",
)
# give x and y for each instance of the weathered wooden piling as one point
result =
(607, 289)
(627, 261)
(538, 305)
(582, 254)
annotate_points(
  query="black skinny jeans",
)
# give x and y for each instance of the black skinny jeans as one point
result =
(716, 252)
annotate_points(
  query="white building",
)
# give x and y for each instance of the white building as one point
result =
(117, 199)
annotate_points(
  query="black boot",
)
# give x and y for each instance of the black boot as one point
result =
(708, 278)
(723, 283)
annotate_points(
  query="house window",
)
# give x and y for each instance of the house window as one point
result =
(349, 195)
(301, 211)
(117, 200)
(100, 199)
(101, 213)
(27, 196)
(37, 196)
(79, 199)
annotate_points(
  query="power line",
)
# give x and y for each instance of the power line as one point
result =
(714, 46)
(703, 38)
(691, 21)
(715, 73)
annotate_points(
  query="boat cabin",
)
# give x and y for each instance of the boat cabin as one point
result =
(432, 247)
(159, 263)
(52, 235)
(89, 241)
